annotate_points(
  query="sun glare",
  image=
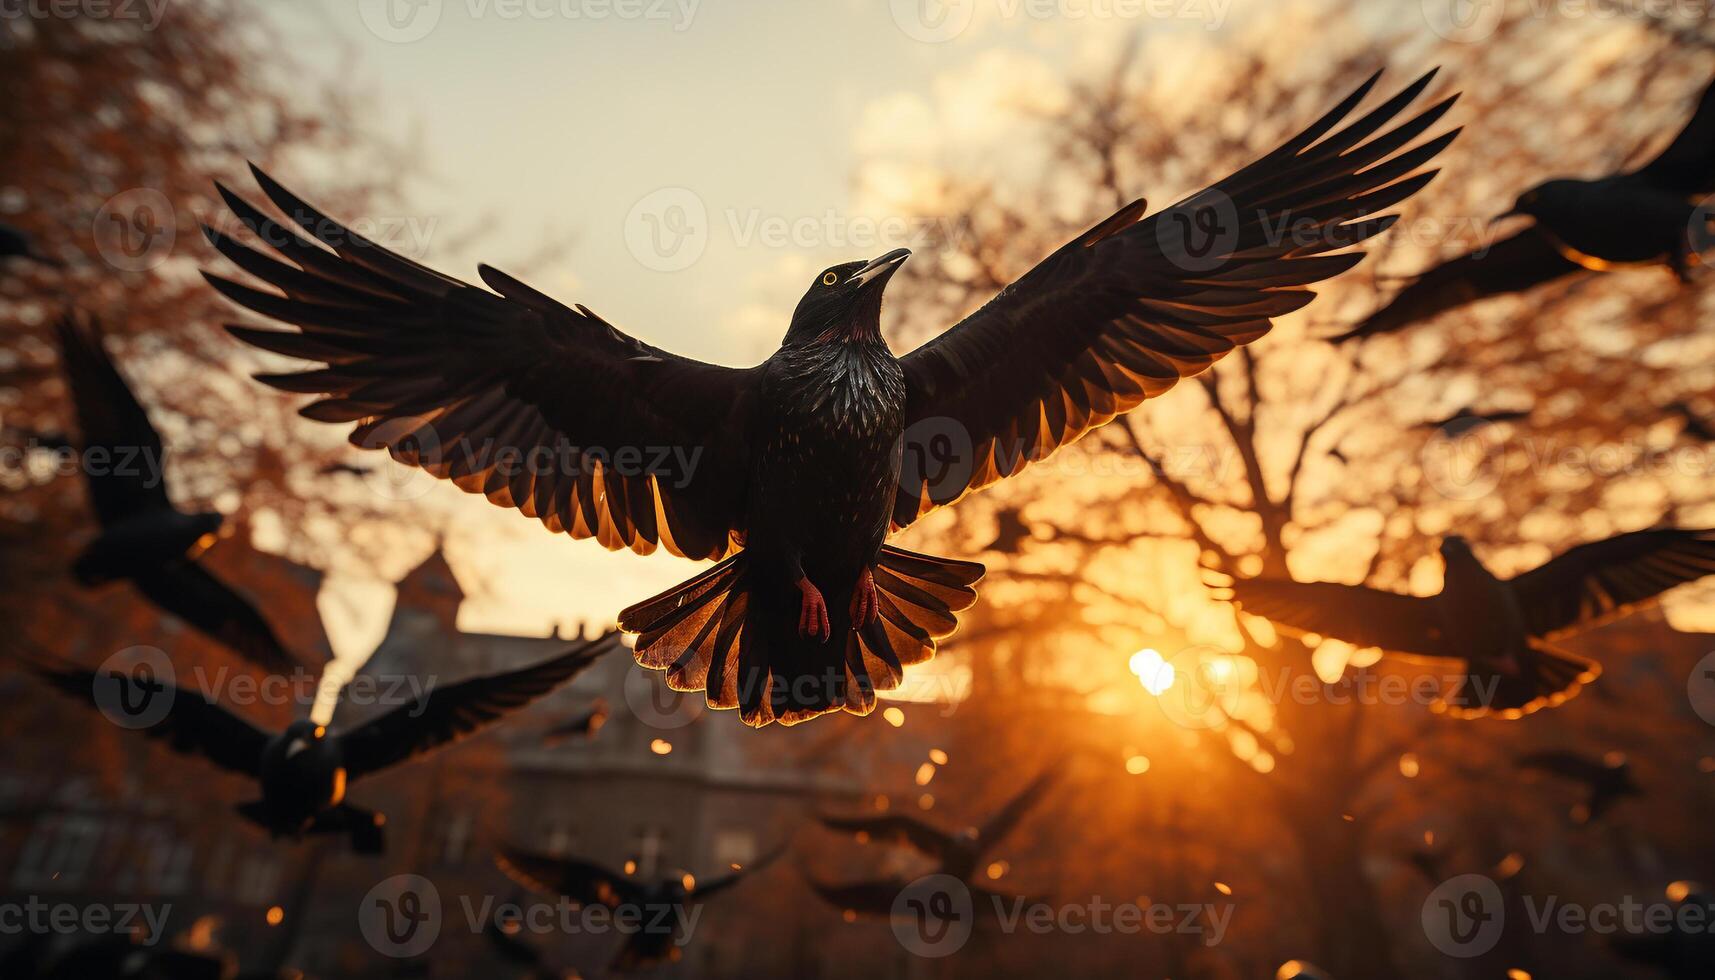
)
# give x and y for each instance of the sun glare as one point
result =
(1155, 673)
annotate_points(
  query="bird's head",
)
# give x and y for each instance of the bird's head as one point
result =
(1550, 197)
(844, 302)
(1455, 548)
(303, 734)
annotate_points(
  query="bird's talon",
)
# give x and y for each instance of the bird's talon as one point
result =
(813, 612)
(865, 607)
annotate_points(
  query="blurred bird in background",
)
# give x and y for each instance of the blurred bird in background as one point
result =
(1607, 779)
(303, 771)
(1500, 629)
(1651, 215)
(661, 902)
(143, 538)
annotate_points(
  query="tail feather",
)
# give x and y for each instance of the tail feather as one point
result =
(719, 634)
(1551, 678)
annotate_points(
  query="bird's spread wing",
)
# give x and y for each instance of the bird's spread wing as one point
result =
(1568, 765)
(111, 421)
(192, 725)
(536, 405)
(1523, 261)
(1357, 614)
(715, 886)
(450, 713)
(875, 897)
(1601, 581)
(896, 829)
(1687, 165)
(1001, 824)
(192, 593)
(583, 882)
(1135, 304)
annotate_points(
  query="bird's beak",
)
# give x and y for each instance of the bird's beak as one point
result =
(879, 270)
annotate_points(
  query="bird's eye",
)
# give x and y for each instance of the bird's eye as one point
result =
(829, 278)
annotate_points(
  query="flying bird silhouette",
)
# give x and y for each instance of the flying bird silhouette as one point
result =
(1501, 629)
(1608, 779)
(792, 473)
(1685, 949)
(303, 771)
(1465, 420)
(956, 854)
(1647, 215)
(144, 539)
(659, 902)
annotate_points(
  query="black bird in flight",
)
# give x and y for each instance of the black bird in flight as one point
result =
(1502, 629)
(658, 903)
(303, 771)
(1685, 950)
(1465, 420)
(1648, 215)
(16, 244)
(793, 473)
(957, 854)
(583, 725)
(143, 538)
(1608, 779)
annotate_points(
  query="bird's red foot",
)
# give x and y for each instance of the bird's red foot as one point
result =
(813, 612)
(865, 606)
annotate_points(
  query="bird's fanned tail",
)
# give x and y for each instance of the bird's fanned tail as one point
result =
(720, 634)
(1550, 678)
